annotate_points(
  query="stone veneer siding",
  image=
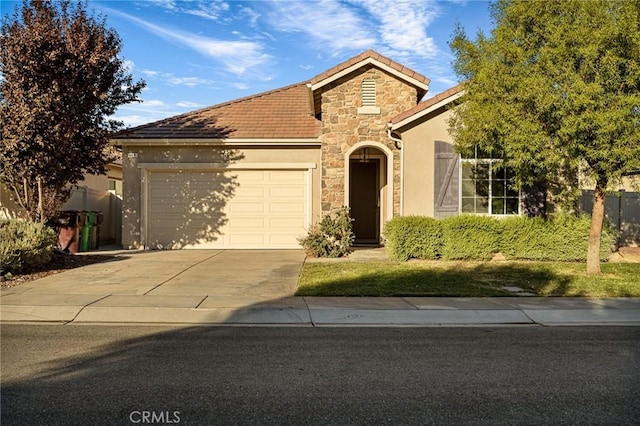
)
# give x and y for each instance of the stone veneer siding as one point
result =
(343, 127)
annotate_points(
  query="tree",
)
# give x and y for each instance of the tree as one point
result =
(556, 88)
(62, 80)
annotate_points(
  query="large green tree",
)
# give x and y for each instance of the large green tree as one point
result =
(556, 88)
(62, 79)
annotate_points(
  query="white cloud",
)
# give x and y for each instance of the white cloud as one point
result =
(449, 81)
(208, 10)
(167, 4)
(136, 114)
(150, 73)
(188, 81)
(241, 86)
(133, 120)
(328, 23)
(153, 103)
(128, 65)
(251, 15)
(188, 104)
(410, 37)
(237, 56)
(170, 78)
(394, 27)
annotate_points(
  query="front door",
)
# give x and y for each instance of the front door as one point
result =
(364, 200)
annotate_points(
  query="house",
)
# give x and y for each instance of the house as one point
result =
(256, 172)
(101, 193)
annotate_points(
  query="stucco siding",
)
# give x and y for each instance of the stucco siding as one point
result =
(418, 145)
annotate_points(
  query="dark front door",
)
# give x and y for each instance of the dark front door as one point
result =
(364, 200)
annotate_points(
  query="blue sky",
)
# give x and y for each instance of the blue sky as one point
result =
(198, 53)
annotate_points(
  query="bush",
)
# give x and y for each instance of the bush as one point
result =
(24, 244)
(332, 237)
(414, 237)
(470, 237)
(563, 238)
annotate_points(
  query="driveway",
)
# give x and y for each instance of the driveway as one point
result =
(257, 273)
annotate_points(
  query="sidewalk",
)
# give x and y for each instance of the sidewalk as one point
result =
(318, 311)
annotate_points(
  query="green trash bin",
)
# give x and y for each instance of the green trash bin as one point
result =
(87, 229)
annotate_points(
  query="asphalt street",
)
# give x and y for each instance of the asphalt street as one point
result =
(67, 375)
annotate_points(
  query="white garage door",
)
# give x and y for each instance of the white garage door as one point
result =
(243, 209)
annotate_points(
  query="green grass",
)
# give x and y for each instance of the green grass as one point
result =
(440, 278)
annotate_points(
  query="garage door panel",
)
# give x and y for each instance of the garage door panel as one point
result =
(240, 224)
(246, 208)
(250, 176)
(253, 191)
(265, 209)
(205, 177)
(276, 223)
(287, 175)
(281, 207)
(286, 192)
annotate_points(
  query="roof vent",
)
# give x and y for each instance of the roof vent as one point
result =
(368, 98)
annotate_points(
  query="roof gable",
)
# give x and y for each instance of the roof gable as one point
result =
(371, 57)
(425, 107)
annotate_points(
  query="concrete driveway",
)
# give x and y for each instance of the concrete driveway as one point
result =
(260, 273)
(194, 286)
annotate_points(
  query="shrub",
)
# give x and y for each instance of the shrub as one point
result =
(24, 244)
(563, 238)
(415, 237)
(332, 237)
(470, 237)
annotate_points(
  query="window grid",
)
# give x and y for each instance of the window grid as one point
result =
(485, 187)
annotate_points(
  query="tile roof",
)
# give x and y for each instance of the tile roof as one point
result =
(284, 113)
(373, 55)
(421, 106)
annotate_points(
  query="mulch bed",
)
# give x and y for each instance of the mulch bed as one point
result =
(59, 262)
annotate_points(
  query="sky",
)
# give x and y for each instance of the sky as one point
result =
(198, 53)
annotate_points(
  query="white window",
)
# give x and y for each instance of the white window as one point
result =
(487, 186)
(115, 187)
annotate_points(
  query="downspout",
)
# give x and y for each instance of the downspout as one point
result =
(398, 143)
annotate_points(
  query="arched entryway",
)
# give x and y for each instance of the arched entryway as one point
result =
(368, 197)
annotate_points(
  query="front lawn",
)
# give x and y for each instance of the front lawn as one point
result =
(440, 278)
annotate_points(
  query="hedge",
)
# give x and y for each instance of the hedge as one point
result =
(564, 238)
(415, 237)
(470, 237)
(24, 244)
